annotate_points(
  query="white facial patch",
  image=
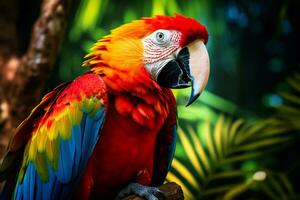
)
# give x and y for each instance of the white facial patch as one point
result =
(159, 48)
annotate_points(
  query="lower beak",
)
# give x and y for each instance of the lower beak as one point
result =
(190, 68)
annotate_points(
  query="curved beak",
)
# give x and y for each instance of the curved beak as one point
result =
(189, 68)
(199, 68)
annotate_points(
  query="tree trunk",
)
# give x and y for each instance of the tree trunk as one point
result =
(23, 74)
(171, 191)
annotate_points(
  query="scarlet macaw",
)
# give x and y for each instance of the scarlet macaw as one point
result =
(112, 131)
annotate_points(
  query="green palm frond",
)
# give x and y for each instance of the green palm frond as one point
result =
(226, 143)
(279, 187)
(219, 148)
(290, 110)
(276, 186)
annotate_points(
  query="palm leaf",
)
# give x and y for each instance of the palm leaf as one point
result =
(289, 111)
(215, 152)
(191, 154)
(199, 150)
(218, 137)
(278, 186)
(184, 172)
(237, 190)
(209, 141)
(207, 159)
(230, 141)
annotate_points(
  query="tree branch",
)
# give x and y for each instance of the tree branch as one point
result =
(38, 62)
(171, 190)
(22, 78)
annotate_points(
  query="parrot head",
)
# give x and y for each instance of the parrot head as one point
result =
(171, 49)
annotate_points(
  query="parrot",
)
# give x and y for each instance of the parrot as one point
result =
(111, 132)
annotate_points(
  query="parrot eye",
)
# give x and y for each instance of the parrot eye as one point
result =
(161, 37)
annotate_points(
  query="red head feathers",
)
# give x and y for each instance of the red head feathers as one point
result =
(190, 28)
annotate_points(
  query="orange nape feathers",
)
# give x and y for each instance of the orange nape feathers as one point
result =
(122, 50)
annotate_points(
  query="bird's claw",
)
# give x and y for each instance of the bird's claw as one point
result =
(149, 193)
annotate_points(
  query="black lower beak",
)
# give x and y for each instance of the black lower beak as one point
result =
(176, 73)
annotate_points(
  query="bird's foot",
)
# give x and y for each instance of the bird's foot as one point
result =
(149, 193)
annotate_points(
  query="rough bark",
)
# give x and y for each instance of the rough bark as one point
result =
(171, 191)
(8, 63)
(23, 74)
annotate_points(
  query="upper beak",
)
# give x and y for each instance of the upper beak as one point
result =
(199, 68)
(190, 67)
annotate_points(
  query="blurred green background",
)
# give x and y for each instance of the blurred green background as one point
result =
(239, 140)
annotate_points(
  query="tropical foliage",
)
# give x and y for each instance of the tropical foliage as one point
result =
(222, 160)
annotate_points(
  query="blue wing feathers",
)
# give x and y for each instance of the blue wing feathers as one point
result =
(18, 193)
(64, 170)
(82, 125)
(74, 154)
(32, 173)
(86, 137)
(57, 187)
(39, 189)
(26, 190)
(99, 115)
(92, 126)
(76, 130)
